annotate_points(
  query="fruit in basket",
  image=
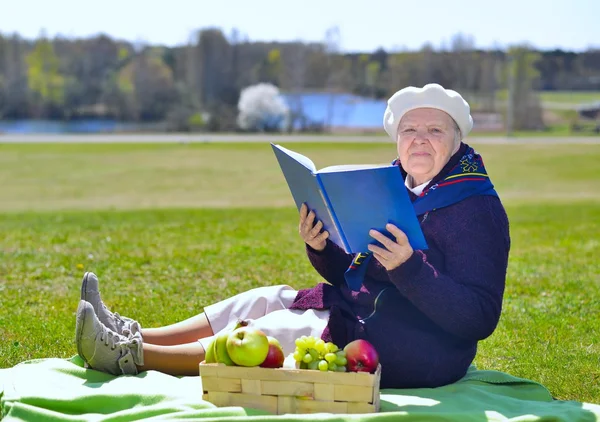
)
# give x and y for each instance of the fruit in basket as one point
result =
(361, 356)
(314, 354)
(216, 351)
(210, 354)
(275, 356)
(247, 346)
(221, 353)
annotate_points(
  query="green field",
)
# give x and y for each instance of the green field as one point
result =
(171, 228)
(562, 97)
(570, 97)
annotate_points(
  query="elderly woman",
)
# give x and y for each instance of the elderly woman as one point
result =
(424, 311)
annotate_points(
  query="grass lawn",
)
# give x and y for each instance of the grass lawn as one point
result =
(171, 228)
(562, 97)
(570, 97)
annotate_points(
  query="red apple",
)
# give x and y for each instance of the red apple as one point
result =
(247, 346)
(275, 355)
(361, 356)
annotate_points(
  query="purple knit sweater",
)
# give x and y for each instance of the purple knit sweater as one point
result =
(426, 316)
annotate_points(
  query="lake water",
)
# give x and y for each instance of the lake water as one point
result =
(340, 110)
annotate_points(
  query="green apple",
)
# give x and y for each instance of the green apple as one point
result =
(221, 353)
(210, 356)
(217, 350)
(247, 346)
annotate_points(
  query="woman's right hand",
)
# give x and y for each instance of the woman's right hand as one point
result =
(310, 232)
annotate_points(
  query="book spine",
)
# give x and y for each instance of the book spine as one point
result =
(327, 202)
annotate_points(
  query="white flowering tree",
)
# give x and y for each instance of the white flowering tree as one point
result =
(261, 108)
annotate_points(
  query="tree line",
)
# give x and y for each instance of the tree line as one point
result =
(63, 78)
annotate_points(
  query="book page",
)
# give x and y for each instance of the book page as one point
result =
(350, 167)
(302, 159)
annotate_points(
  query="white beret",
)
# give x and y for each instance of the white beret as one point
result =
(430, 96)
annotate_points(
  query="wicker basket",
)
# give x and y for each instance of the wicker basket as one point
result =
(285, 390)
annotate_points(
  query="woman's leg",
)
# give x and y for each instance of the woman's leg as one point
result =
(183, 332)
(182, 359)
(105, 350)
(250, 305)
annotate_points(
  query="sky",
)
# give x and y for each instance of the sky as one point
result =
(363, 25)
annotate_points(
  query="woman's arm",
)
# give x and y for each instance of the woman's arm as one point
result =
(466, 299)
(331, 263)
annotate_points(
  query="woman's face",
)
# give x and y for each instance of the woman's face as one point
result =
(425, 142)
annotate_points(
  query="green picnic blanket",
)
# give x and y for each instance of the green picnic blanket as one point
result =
(63, 390)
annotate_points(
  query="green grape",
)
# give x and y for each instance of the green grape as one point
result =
(340, 368)
(310, 342)
(313, 353)
(303, 365)
(323, 365)
(298, 356)
(331, 348)
(332, 366)
(300, 344)
(341, 353)
(341, 361)
(314, 365)
(307, 358)
(330, 357)
(320, 346)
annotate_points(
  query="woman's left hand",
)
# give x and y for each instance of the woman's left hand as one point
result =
(395, 253)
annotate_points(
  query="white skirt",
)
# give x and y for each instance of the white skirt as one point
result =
(266, 308)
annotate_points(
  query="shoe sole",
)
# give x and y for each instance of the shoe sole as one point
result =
(84, 286)
(78, 336)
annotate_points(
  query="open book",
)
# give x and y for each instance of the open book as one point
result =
(352, 199)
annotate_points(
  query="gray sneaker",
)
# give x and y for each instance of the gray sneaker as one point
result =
(103, 349)
(90, 293)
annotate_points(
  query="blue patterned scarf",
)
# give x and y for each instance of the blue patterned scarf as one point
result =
(467, 178)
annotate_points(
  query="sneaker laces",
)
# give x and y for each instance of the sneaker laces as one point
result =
(128, 326)
(126, 345)
(118, 317)
(110, 338)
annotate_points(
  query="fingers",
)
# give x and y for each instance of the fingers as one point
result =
(316, 229)
(380, 252)
(309, 222)
(393, 253)
(306, 219)
(400, 236)
(303, 210)
(380, 258)
(321, 237)
(309, 230)
(384, 240)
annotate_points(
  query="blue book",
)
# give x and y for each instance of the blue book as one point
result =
(352, 199)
